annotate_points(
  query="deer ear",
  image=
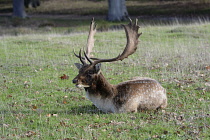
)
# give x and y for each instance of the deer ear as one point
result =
(98, 67)
(79, 66)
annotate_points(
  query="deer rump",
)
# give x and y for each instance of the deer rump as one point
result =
(130, 96)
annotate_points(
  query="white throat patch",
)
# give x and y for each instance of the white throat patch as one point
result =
(104, 104)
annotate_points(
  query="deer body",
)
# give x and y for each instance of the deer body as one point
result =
(129, 96)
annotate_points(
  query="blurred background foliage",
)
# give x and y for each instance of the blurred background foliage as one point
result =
(100, 7)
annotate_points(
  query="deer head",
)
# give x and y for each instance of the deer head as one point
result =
(88, 72)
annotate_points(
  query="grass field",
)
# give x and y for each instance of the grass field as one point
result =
(37, 104)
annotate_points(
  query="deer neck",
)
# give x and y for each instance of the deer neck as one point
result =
(101, 87)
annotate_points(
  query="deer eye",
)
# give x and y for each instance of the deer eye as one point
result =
(89, 76)
(90, 72)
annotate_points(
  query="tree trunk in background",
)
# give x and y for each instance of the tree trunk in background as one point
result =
(19, 9)
(117, 10)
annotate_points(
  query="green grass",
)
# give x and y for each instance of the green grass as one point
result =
(37, 104)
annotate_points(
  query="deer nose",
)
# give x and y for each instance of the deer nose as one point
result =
(74, 81)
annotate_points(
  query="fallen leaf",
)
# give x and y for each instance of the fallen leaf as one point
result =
(116, 123)
(207, 67)
(48, 115)
(64, 101)
(30, 133)
(62, 123)
(64, 77)
(34, 106)
(118, 130)
(9, 96)
(180, 105)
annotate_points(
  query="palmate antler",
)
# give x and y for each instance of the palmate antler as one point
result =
(132, 36)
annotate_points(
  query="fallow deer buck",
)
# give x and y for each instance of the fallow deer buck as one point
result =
(130, 96)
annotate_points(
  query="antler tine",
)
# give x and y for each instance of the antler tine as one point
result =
(88, 58)
(75, 54)
(80, 57)
(136, 22)
(130, 20)
(90, 41)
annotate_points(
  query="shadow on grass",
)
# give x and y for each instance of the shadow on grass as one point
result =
(85, 109)
(76, 110)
